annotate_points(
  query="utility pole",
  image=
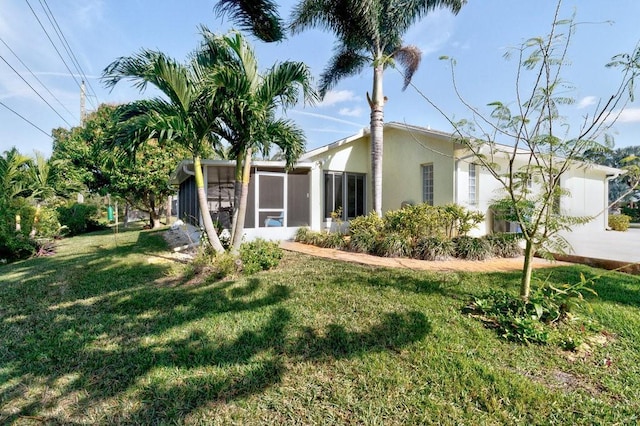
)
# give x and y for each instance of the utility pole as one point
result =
(83, 95)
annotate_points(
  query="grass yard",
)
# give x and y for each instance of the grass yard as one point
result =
(107, 331)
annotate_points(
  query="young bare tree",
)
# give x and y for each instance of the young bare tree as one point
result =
(528, 148)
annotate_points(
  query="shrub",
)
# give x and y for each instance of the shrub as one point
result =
(505, 244)
(260, 255)
(224, 265)
(14, 246)
(634, 213)
(48, 224)
(364, 231)
(619, 222)
(458, 220)
(415, 221)
(302, 235)
(334, 240)
(434, 248)
(470, 248)
(79, 218)
(393, 244)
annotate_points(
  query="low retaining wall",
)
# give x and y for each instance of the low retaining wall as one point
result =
(630, 268)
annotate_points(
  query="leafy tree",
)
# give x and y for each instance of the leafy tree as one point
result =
(537, 146)
(185, 114)
(141, 179)
(248, 117)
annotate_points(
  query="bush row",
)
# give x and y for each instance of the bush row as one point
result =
(421, 231)
(425, 248)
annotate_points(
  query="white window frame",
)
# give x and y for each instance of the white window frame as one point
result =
(427, 179)
(473, 184)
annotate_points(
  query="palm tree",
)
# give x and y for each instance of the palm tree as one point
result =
(369, 32)
(186, 115)
(13, 168)
(45, 181)
(248, 121)
(260, 17)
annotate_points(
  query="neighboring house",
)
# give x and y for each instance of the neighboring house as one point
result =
(419, 165)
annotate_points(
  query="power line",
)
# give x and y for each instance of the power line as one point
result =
(65, 43)
(25, 119)
(53, 44)
(36, 77)
(34, 90)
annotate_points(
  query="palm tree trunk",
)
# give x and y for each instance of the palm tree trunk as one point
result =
(377, 123)
(525, 283)
(238, 226)
(204, 207)
(237, 194)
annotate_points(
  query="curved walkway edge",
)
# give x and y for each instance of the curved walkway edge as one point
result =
(490, 265)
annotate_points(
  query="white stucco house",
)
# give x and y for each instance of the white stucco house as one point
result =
(419, 165)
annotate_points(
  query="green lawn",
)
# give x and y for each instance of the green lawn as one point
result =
(107, 332)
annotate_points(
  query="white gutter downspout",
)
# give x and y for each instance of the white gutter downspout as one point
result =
(455, 176)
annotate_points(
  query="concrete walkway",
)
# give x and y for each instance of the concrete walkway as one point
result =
(491, 265)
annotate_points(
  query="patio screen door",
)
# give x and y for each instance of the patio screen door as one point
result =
(271, 200)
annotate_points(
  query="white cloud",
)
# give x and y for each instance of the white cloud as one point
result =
(351, 112)
(628, 115)
(587, 101)
(327, 117)
(433, 32)
(333, 97)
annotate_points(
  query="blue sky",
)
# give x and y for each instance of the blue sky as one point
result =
(99, 31)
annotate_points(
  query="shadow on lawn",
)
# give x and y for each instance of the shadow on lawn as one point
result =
(610, 286)
(112, 344)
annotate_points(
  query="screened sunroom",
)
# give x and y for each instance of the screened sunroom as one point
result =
(278, 203)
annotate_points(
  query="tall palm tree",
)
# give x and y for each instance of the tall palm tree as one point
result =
(248, 118)
(259, 17)
(186, 114)
(369, 32)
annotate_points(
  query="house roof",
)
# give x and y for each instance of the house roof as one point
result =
(438, 134)
(185, 168)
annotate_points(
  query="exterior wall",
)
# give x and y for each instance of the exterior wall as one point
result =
(587, 187)
(404, 154)
(589, 196)
(350, 157)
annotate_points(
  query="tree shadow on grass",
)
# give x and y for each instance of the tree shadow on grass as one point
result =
(105, 339)
(610, 286)
(256, 360)
(449, 284)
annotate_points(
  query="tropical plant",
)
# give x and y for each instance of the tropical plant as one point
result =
(45, 181)
(369, 32)
(248, 116)
(186, 115)
(259, 17)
